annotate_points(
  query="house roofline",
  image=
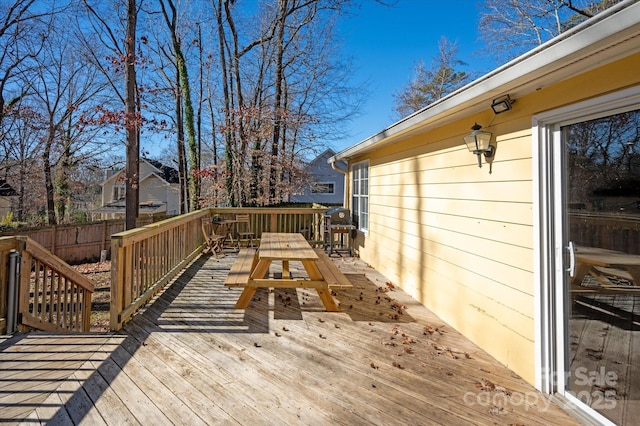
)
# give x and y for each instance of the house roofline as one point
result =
(590, 44)
(155, 172)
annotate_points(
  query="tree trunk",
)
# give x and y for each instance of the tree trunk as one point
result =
(277, 113)
(189, 119)
(48, 179)
(132, 172)
(228, 148)
(182, 163)
(62, 186)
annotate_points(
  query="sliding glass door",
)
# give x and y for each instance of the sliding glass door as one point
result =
(598, 207)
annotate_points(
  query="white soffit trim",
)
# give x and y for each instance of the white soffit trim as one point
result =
(610, 35)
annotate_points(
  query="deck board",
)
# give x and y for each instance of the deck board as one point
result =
(191, 358)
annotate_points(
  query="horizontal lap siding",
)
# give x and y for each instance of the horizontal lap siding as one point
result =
(460, 240)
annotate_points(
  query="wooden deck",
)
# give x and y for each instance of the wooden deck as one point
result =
(605, 338)
(190, 358)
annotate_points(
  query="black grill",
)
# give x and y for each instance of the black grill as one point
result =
(339, 216)
(338, 221)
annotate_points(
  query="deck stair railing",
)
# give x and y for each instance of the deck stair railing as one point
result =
(40, 291)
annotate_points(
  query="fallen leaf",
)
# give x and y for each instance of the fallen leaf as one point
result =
(486, 385)
(495, 410)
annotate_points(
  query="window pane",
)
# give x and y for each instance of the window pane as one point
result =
(602, 208)
(360, 188)
(322, 188)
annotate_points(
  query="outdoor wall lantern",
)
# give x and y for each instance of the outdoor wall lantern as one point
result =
(478, 142)
(502, 104)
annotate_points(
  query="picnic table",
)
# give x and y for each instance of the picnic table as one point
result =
(251, 269)
(608, 267)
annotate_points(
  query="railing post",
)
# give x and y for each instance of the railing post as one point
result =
(117, 283)
(86, 310)
(25, 281)
(13, 292)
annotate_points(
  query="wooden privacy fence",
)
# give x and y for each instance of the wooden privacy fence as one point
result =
(145, 259)
(39, 290)
(76, 243)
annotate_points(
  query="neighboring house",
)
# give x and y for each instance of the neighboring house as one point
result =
(8, 195)
(325, 185)
(159, 192)
(486, 248)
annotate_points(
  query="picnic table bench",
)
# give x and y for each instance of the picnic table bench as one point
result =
(603, 265)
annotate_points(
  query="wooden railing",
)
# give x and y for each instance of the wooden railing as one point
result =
(619, 232)
(144, 260)
(50, 295)
(308, 221)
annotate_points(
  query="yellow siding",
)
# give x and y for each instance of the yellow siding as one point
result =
(460, 239)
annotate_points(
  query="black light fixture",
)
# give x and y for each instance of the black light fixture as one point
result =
(479, 142)
(502, 104)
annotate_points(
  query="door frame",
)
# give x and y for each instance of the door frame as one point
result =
(549, 223)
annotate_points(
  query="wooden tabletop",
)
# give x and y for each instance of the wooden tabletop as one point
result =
(285, 246)
(603, 257)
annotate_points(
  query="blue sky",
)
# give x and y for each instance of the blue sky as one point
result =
(387, 42)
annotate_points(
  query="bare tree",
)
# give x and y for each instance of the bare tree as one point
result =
(23, 33)
(21, 146)
(118, 65)
(63, 88)
(170, 14)
(512, 27)
(267, 105)
(429, 85)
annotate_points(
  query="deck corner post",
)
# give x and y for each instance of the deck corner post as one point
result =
(117, 283)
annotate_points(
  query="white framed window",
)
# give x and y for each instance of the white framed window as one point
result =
(118, 192)
(360, 194)
(323, 187)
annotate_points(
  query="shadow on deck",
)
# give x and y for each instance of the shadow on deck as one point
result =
(191, 358)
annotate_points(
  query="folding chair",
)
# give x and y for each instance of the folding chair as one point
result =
(243, 229)
(214, 241)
